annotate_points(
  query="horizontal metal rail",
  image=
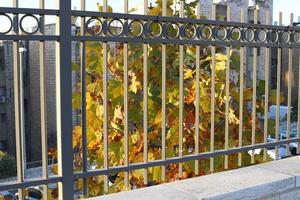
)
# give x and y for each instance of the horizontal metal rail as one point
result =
(56, 179)
(175, 160)
(31, 11)
(30, 37)
(179, 42)
(30, 183)
(146, 40)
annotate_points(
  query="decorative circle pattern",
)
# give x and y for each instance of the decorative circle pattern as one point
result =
(29, 19)
(189, 31)
(115, 27)
(136, 28)
(235, 33)
(261, 35)
(206, 32)
(165, 28)
(296, 37)
(93, 26)
(7, 24)
(173, 30)
(155, 29)
(220, 33)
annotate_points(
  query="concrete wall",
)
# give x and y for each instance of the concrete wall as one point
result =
(277, 180)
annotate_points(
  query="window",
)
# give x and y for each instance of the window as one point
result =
(221, 12)
(2, 67)
(2, 92)
(3, 146)
(3, 117)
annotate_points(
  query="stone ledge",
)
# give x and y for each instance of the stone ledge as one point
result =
(273, 180)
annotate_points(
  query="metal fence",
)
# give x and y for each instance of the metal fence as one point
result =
(201, 33)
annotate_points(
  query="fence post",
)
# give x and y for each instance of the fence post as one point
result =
(64, 100)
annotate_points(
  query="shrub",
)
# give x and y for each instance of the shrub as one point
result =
(8, 167)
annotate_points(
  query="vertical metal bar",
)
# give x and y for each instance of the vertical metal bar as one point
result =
(163, 125)
(298, 117)
(227, 94)
(212, 119)
(64, 101)
(22, 52)
(279, 59)
(83, 100)
(17, 100)
(105, 105)
(197, 114)
(254, 91)
(126, 136)
(181, 95)
(290, 80)
(298, 124)
(145, 96)
(44, 133)
(241, 105)
(267, 79)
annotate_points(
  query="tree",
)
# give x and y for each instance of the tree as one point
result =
(94, 109)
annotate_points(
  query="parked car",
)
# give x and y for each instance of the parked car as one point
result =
(283, 135)
(33, 193)
(5, 195)
(293, 145)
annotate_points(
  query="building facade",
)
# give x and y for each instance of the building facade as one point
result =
(31, 91)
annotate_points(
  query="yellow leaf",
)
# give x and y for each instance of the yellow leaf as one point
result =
(118, 113)
(232, 117)
(134, 83)
(220, 57)
(99, 111)
(188, 74)
(89, 100)
(158, 118)
(220, 66)
(76, 136)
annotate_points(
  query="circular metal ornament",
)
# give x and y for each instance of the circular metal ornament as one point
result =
(96, 29)
(249, 35)
(285, 37)
(261, 35)
(35, 29)
(189, 31)
(205, 32)
(235, 34)
(273, 36)
(135, 28)
(170, 27)
(9, 21)
(115, 30)
(296, 37)
(220, 32)
(154, 29)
